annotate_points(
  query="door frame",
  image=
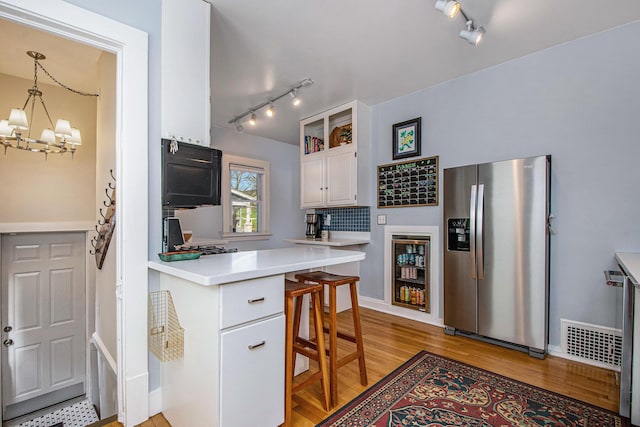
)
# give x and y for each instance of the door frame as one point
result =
(131, 49)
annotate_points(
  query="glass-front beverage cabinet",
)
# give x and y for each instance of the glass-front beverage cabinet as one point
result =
(411, 272)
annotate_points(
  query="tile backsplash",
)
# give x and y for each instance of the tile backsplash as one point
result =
(347, 219)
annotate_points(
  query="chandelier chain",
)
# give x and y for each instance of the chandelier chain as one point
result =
(62, 84)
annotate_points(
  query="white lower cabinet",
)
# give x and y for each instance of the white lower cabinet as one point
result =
(232, 371)
(252, 372)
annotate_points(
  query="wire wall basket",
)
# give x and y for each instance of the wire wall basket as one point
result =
(166, 336)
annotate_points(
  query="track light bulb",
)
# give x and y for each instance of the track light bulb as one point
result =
(473, 36)
(449, 8)
(271, 111)
(294, 97)
(252, 120)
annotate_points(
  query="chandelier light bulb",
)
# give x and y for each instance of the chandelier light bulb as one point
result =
(48, 136)
(63, 128)
(5, 129)
(75, 138)
(18, 119)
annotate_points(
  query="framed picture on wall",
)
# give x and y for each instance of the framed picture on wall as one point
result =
(406, 139)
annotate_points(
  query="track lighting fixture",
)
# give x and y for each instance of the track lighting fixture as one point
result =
(295, 101)
(251, 113)
(270, 111)
(473, 34)
(449, 8)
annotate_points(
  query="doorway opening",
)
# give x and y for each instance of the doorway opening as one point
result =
(130, 129)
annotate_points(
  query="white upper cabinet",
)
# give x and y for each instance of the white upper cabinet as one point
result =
(185, 105)
(335, 151)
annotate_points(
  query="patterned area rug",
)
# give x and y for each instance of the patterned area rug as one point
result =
(79, 414)
(430, 390)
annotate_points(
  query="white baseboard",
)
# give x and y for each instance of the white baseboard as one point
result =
(137, 410)
(155, 402)
(380, 305)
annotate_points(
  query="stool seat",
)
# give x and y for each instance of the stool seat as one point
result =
(326, 278)
(332, 281)
(293, 292)
(295, 289)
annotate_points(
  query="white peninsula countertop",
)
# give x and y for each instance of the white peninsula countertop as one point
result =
(232, 267)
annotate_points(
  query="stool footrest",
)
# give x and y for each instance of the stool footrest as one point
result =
(342, 335)
(302, 384)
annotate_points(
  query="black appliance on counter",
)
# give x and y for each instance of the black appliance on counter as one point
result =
(171, 234)
(314, 225)
(191, 175)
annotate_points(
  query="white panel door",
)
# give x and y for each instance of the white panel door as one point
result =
(43, 314)
(341, 178)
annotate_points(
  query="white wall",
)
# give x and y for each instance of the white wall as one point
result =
(579, 102)
(287, 220)
(105, 280)
(57, 189)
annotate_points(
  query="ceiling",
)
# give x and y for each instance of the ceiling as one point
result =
(371, 50)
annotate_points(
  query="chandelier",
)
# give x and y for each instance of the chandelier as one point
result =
(57, 139)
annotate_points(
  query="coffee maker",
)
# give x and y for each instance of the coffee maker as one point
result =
(314, 225)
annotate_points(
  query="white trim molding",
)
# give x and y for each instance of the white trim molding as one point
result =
(433, 317)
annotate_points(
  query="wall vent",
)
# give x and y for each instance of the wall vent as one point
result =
(596, 345)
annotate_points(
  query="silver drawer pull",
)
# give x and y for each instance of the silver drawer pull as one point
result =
(254, 346)
(253, 301)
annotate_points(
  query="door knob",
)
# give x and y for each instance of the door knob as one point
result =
(8, 328)
(7, 342)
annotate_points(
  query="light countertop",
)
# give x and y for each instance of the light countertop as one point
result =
(328, 242)
(232, 267)
(336, 238)
(630, 262)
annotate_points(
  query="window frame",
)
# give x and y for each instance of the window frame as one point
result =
(264, 231)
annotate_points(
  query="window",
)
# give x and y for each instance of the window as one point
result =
(245, 198)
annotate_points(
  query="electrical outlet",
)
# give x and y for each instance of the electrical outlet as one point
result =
(382, 219)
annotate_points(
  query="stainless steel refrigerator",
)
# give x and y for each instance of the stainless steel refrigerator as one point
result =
(496, 252)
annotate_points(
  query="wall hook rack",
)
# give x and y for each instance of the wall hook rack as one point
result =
(105, 225)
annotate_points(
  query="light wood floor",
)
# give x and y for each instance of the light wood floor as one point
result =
(390, 341)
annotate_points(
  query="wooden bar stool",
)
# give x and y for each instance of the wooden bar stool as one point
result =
(296, 344)
(333, 281)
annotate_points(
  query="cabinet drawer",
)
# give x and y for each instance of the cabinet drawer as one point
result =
(252, 375)
(249, 300)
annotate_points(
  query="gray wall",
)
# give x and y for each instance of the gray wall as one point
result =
(287, 220)
(579, 102)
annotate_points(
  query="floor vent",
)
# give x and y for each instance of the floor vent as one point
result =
(596, 345)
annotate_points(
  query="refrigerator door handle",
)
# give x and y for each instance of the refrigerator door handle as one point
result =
(472, 229)
(479, 232)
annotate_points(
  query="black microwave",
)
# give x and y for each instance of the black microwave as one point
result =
(190, 175)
